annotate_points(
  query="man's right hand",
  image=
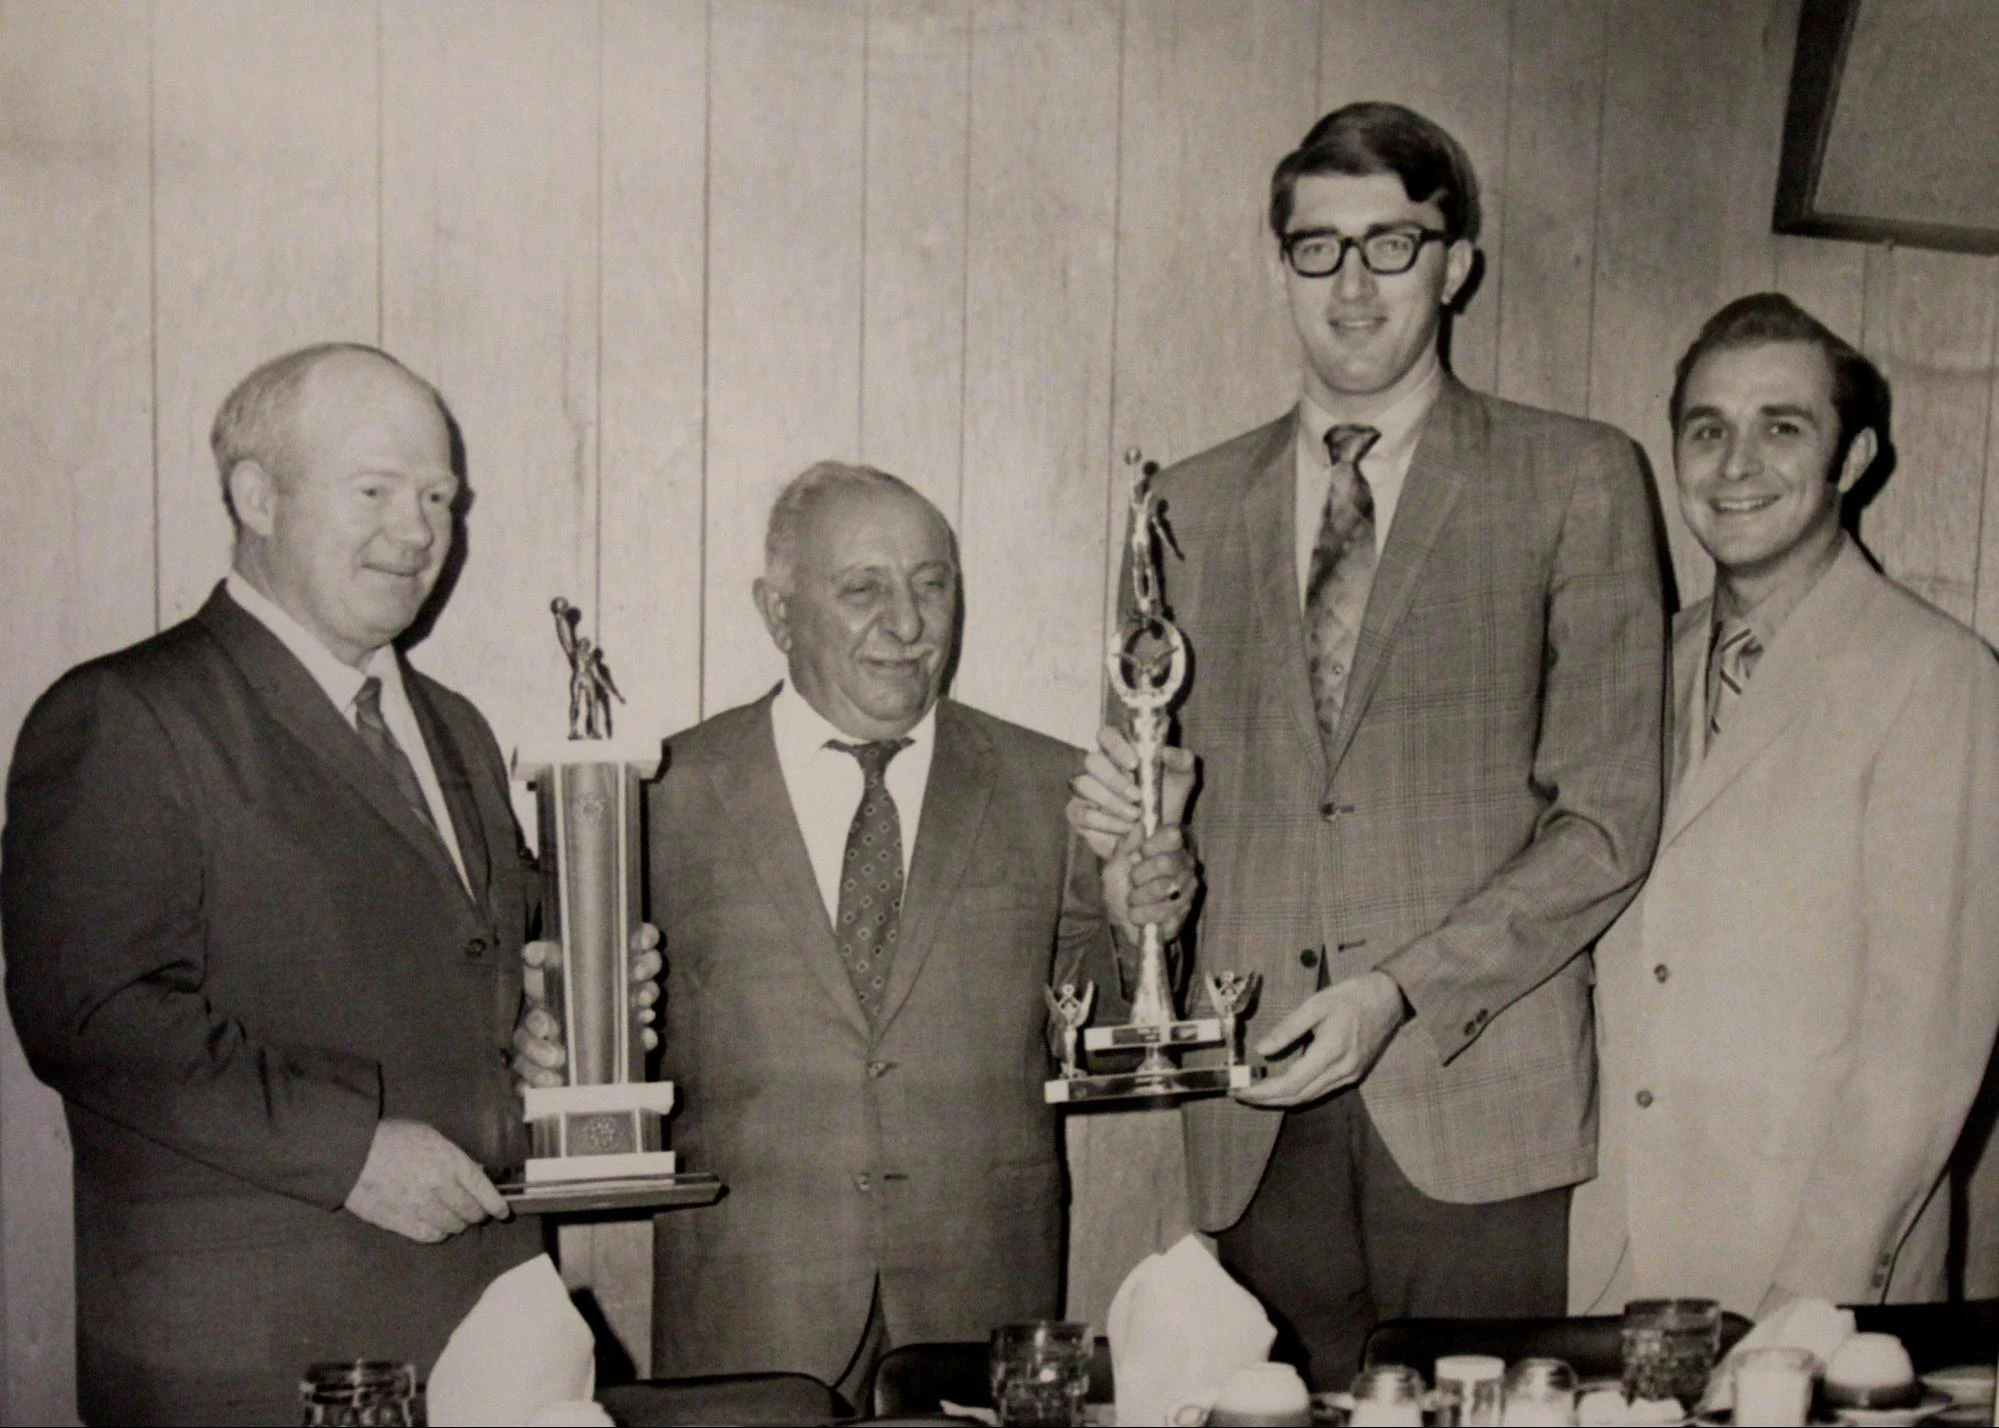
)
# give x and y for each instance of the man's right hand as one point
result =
(419, 1185)
(1104, 806)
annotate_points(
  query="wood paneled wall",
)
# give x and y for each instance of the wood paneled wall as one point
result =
(660, 254)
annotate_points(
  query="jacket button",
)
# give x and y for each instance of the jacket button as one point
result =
(1483, 1017)
(864, 1182)
(1309, 957)
(1471, 1028)
(879, 1069)
(1644, 1098)
(475, 948)
(1660, 972)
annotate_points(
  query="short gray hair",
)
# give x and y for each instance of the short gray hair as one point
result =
(254, 421)
(793, 507)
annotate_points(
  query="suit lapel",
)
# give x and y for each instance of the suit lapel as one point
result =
(1270, 512)
(1791, 677)
(962, 774)
(294, 699)
(455, 780)
(1450, 446)
(750, 783)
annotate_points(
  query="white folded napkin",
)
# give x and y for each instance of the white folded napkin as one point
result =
(523, 1346)
(1179, 1326)
(1815, 1325)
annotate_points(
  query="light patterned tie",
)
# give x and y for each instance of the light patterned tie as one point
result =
(1736, 650)
(374, 732)
(1341, 574)
(871, 876)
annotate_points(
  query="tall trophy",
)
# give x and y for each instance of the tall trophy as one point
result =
(598, 1142)
(1147, 663)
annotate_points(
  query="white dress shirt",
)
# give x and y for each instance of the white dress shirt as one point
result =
(1386, 465)
(825, 784)
(341, 682)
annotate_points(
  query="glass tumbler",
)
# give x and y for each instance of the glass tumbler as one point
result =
(1041, 1373)
(367, 1393)
(1669, 1348)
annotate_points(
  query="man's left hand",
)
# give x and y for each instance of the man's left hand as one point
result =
(1350, 1024)
(1150, 880)
(538, 1051)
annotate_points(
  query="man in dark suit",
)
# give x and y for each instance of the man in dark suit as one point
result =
(862, 1066)
(1427, 701)
(263, 904)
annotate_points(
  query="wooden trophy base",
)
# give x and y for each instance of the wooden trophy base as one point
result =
(599, 1148)
(1149, 1085)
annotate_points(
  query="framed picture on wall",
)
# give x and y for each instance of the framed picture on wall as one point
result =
(1893, 127)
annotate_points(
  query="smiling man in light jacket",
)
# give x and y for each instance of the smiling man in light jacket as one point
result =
(1795, 1013)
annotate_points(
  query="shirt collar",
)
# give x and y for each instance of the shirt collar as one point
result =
(797, 725)
(1399, 425)
(340, 680)
(1768, 615)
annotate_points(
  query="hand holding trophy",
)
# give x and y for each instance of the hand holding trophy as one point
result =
(1147, 663)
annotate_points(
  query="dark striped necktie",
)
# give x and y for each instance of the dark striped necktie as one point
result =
(374, 732)
(1736, 650)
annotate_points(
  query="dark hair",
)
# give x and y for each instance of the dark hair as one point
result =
(1374, 137)
(1859, 392)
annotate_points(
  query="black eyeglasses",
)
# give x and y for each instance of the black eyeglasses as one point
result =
(1318, 252)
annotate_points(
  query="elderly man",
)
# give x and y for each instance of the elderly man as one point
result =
(1797, 1009)
(263, 907)
(1427, 697)
(864, 890)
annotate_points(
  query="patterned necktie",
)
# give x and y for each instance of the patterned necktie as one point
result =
(1342, 573)
(1736, 650)
(374, 732)
(871, 876)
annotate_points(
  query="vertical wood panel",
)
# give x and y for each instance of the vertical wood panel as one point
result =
(1038, 359)
(1554, 126)
(265, 228)
(653, 347)
(77, 441)
(655, 108)
(1448, 59)
(784, 284)
(913, 261)
(1828, 280)
(1676, 233)
(1930, 329)
(489, 288)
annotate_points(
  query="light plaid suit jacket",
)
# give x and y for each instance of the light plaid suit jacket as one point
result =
(1491, 800)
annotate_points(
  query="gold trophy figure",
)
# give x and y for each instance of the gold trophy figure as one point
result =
(598, 1142)
(1147, 664)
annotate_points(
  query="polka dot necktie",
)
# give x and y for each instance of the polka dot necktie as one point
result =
(1736, 650)
(1341, 574)
(871, 876)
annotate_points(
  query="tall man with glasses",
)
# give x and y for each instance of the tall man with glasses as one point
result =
(1426, 706)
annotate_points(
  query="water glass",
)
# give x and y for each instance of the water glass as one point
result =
(1041, 1373)
(1669, 1348)
(1539, 1393)
(368, 1393)
(1468, 1390)
(1387, 1397)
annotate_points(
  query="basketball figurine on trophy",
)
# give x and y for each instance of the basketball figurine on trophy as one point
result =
(1148, 667)
(598, 1142)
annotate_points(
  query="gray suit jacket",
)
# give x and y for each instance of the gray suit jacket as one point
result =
(1489, 803)
(918, 1151)
(232, 946)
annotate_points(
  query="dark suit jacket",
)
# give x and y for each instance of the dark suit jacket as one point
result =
(920, 1151)
(232, 947)
(1490, 801)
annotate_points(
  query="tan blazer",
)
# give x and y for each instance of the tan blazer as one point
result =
(918, 1151)
(1489, 806)
(1796, 1011)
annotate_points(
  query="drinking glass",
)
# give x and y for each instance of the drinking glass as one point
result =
(1669, 1348)
(1774, 1386)
(1539, 1393)
(1041, 1373)
(363, 1392)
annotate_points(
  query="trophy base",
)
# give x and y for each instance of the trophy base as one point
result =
(1149, 1085)
(611, 1192)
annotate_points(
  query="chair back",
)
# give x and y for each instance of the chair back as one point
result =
(918, 1378)
(724, 1398)
(1937, 1335)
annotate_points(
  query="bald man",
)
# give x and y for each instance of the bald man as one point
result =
(263, 903)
